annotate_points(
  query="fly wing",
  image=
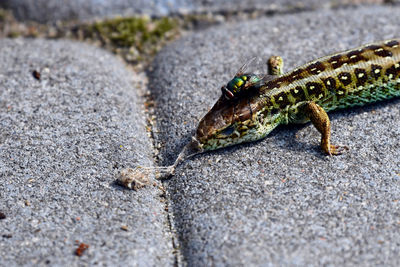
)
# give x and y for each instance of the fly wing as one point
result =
(267, 78)
(256, 69)
(245, 67)
(258, 80)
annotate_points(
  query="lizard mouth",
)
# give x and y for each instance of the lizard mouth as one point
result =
(220, 121)
(192, 148)
(195, 145)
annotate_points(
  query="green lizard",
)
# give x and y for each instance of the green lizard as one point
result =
(251, 106)
(351, 78)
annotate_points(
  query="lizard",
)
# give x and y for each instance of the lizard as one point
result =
(355, 77)
(251, 105)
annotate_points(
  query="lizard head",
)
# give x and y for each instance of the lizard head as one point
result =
(234, 121)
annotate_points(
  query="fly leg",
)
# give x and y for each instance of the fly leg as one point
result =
(319, 118)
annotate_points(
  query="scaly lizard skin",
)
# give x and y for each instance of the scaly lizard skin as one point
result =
(351, 78)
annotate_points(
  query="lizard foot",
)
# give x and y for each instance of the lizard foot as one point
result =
(337, 150)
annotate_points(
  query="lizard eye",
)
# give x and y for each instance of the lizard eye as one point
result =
(228, 131)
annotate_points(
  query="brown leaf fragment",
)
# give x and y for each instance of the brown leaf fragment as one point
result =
(81, 248)
(134, 178)
(36, 75)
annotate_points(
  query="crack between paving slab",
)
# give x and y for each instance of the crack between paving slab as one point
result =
(175, 240)
(148, 108)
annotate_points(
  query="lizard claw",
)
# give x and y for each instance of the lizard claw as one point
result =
(337, 150)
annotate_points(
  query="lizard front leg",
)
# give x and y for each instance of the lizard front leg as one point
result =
(319, 118)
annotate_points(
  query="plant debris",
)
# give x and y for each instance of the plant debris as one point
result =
(134, 178)
(81, 248)
(36, 75)
(136, 39)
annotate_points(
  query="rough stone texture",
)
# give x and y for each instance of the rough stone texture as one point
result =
(53, 10)
(62, 141)
(280, 201)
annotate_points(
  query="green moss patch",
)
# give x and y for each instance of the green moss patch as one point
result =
(135, 38)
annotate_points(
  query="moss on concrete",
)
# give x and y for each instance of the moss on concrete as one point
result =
(135, 38)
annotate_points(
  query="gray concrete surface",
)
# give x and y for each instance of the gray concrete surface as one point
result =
(280, 201)
(63, 139)
(53, 10)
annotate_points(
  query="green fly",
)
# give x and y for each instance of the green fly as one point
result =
(242, 82)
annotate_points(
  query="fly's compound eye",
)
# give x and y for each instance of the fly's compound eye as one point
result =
(228, 94)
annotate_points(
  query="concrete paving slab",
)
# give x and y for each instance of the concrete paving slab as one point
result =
(65, 132)
(53, 10)
(280, 201)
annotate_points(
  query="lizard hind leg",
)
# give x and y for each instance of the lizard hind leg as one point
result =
(320, 119)
(275, 65)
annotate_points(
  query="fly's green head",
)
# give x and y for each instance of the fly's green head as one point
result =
(236, 121)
